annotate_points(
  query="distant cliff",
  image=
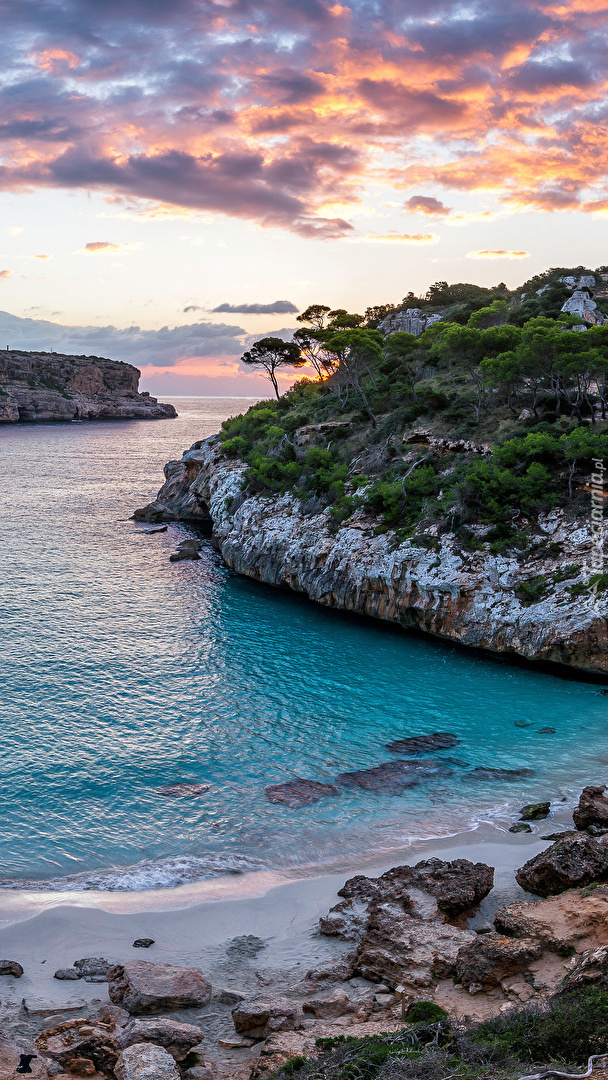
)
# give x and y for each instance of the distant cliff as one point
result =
(52, 386)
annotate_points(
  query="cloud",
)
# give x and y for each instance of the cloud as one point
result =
(101, 245)
(193, 307)
(498, 254)
(404, 238)
(279, 307)
(43, 256)
(426, 204)
(4, 274)
(158, 348)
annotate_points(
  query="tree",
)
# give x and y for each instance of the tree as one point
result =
(273, 353)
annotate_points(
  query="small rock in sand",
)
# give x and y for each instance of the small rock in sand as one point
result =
(66, 974)
(11, 967)
(143, 942)
(520, 826)
(535, 811)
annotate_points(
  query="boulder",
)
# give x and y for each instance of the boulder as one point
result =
(257, 1019)
(535, 811)
(401, 948)
(567, 864)
(188, 549)
(520, 826)
(92, 969)
(489, 959)
(325, 1006)
(592, 808)
(11, 967)
(143, 942)
(177, 1039)
(423, 744)
(67, 974)
(143, 988)
(393, 777)
(93, 1040)
(144, 1061)
(299, 792)
(457, 886)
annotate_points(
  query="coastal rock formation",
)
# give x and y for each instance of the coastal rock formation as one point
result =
(53, 386)
(592, 808)
(412, 321)
(567, 864)
(141, 987)
(470, 597)
(486, 962)
(143, 1061)
(581, 304)
(423, 744)
(299, 792)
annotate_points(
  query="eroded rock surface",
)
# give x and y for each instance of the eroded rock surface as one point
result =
(592, 808)
(260, 1018)
(487, 961)
(142, 987)
(54, 386)
(177, 1039)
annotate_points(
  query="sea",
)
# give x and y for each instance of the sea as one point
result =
(124, 673)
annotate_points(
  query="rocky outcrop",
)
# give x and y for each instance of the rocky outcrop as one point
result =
(581, 305)
(411, 320)
(141, 987)
(52, 386)
(428, 583)
(486, 962)
(567, 864)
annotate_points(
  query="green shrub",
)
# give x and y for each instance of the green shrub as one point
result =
(570, 1029)
(425, 1011)
(532, 591)
(236, 447)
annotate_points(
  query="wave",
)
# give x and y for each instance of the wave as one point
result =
(164, 873)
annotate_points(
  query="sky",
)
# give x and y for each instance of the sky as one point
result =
(181, 177)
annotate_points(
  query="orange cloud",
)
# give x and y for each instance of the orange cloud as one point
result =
(5, 274)
(500, 253)
(100, 246)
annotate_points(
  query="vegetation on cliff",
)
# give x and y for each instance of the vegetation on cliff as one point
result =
(492, 415)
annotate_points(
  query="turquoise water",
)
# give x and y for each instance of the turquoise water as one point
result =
(123, 672)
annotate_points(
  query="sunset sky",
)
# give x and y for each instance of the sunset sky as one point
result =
(163, 159)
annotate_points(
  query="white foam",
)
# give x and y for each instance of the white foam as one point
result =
(149, 874)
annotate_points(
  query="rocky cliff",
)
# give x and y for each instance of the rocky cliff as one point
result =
(51, 386)
(534, 605)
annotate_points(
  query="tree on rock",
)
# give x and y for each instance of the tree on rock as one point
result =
(272, 353)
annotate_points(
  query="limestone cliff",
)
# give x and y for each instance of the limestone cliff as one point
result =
(51, 386)
(429, 583)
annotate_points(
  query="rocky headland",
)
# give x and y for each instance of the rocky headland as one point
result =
(52, 386)
(430, 583)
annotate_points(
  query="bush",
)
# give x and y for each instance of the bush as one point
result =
(425, 1011)
(569, 1029)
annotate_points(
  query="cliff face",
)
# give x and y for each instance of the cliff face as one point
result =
(463, 596)
(51, 386)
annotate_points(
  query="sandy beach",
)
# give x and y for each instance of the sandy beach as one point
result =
(254, 933)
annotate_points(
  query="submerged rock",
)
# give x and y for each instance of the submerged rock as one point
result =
(484, 772)
(568, 863)
(393, 777)
(185, 789)
(423, 744)
(142, 987)
(299, 792)
(592, 808)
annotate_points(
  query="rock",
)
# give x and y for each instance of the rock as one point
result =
(143, 942)
(558, 835)
(67, 974)
(457, 886)
(11, 967)
(581, 305)
(39, 1007)
(484, 772)
(393, 777)
(299, 792)
(325, 1006)
(568, 863)
(592, 808)
(257, 1019)
(177, 1038)
(491, 958)
(546, 731)
(185, 789)
(77, 1039)
(188, 549)
(230, 997)
(142, 987)
(144, 1061)
(520, 826)
(199, 1072)
(423, 744)
(82, 1067)
(151, 532)
(535, 811)
(93, 969)
(338, 971)
(385, 1000)
(236, 1042)
(400, 948)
